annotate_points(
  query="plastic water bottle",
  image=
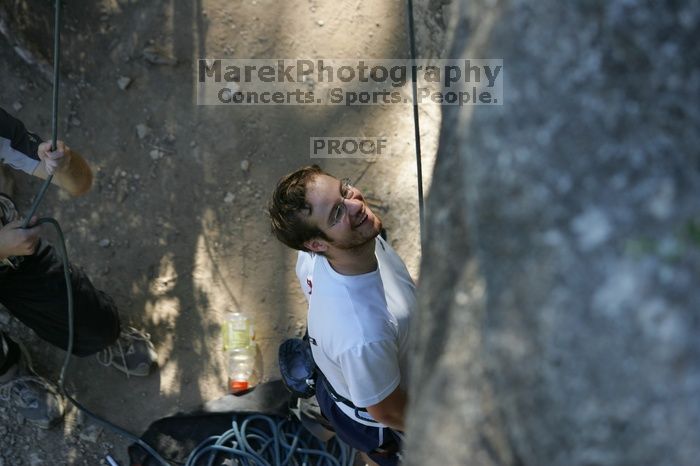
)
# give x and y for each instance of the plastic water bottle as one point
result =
(238, 336)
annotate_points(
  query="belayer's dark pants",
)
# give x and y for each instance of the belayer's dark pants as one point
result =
(35, 293)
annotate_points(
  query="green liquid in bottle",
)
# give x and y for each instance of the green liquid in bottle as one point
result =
(236, 333)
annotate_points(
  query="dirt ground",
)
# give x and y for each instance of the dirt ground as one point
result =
(175, 228)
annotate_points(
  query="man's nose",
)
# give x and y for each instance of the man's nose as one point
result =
(354, 206)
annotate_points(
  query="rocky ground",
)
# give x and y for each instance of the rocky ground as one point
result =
(175, 226)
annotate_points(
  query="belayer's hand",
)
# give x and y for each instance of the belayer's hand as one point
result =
(57, 161)
(17, 241)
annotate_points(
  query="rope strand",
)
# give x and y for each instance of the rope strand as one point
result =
(416, 118)
(54, 107)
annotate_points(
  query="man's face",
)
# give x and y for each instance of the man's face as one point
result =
(341, 213)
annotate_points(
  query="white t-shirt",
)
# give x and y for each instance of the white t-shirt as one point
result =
(360, 325)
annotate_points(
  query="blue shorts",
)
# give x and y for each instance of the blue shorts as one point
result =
(359, 436)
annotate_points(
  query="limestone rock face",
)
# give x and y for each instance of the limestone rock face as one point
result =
(559, 320)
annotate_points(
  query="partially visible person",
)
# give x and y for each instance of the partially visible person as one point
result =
(33, 288)
(360, 297)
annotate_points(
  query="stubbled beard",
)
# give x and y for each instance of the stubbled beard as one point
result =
(360, 241)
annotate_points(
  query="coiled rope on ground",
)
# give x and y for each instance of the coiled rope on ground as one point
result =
(260, 440)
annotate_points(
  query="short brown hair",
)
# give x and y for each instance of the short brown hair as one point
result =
(288, 202)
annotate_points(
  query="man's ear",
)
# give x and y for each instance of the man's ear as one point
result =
(316, 245)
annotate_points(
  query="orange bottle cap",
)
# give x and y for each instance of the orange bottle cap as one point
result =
(236, 386)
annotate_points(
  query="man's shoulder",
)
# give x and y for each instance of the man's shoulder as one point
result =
(383, 250)
(391, 263)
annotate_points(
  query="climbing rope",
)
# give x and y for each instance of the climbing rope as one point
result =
(416, 119)
(259, 440)
(64, 253)
(54, 109)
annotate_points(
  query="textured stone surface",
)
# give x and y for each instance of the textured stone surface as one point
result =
(28, 27)
(558, 319)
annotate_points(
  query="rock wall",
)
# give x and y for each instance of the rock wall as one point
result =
(559, 300)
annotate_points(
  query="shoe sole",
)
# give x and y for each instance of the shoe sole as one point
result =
(26, 360)
(139, 373)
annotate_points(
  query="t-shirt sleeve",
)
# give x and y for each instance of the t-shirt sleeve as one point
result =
(371, 371)
(18, 147)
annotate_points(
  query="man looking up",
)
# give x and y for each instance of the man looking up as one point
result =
(360, 297)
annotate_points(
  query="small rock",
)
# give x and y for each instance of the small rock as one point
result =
(123, 82)
(245, 165)
(320, 22)
(90, 433)
(142, 130)
(193, 143)
(229, 198)
(17, 106)
(156, 154)
(154, 55)
(104, 243)
(122, 192)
